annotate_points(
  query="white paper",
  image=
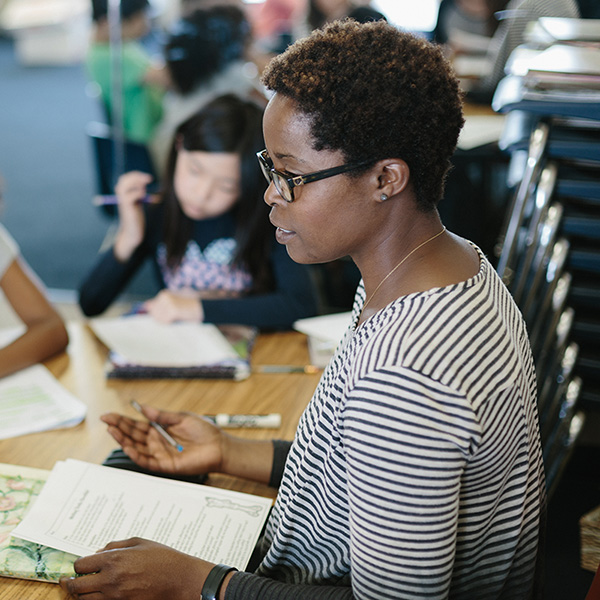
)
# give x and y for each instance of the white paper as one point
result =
(324, 334)
(567, 59)
(83, 506)
(141, 340)
(33, 400)
(572, 29)
(480, 130)
(328, 328)
(10, 334)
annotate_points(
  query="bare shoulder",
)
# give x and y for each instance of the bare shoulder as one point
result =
(456, 260)
(452, 260)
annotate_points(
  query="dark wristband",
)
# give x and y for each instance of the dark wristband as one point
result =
(213, 582)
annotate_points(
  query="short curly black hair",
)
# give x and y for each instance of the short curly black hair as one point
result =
(374, 92)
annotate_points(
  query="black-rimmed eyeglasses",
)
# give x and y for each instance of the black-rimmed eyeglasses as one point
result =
(285, 183)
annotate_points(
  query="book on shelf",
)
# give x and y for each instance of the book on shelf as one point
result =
(141, 348)
(549, 30)
(571, 30)
(562, 67)
(81, 507)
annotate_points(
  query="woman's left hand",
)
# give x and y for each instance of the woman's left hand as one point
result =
(137, 569)
(167, 307)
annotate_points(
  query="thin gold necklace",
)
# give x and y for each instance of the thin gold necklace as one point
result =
(398, 266)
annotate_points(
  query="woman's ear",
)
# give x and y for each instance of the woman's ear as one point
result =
(393, 176)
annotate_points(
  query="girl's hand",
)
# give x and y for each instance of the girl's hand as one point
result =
(167, 307)
(131, 189)
(205, 445)
(137, 569)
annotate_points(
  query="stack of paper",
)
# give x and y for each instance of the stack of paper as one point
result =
(142, 347)
(83, 506)
(563, 66)
(33, 400)
(549, 30)
(571, 30)
(324, 334)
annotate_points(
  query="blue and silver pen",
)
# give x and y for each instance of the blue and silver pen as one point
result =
(159, 428)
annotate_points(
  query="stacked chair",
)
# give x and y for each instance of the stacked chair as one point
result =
(549, 251)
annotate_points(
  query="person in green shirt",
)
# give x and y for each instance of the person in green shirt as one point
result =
(142, 76)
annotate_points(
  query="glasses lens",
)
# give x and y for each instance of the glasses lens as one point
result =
(282, 186)
(264, 167)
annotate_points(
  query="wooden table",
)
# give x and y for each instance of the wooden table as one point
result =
(80, 370)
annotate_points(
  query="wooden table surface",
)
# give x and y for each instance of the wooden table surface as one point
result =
(80, 370)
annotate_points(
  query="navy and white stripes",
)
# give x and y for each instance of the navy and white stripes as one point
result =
(416, 471)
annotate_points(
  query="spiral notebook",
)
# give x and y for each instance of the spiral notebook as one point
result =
(141, 348)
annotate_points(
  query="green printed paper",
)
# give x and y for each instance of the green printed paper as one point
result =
(18, 558)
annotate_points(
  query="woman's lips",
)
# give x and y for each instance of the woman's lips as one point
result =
(283, 235)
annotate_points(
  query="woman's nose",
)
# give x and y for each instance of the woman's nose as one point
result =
(272, 196)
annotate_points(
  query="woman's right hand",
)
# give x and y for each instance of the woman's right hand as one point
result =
(131, 189)
(206, 448)
(202, 441)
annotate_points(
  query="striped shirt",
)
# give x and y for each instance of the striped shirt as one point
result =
(416, 470)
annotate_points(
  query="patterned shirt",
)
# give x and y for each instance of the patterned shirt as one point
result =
(208, 270)
(416, 471)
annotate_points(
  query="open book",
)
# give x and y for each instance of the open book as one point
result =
(84, 506)
(140, 347)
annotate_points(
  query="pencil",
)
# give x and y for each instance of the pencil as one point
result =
(159, 428)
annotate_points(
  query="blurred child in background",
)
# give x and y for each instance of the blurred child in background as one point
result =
(209, 238)
(142, 76)
(205, 56)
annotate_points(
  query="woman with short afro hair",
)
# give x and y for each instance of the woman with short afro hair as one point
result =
(360, 100)
(416, 468)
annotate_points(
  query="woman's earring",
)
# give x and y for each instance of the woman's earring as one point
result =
(384, 197)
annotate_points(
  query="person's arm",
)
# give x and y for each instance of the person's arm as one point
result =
(111, 273)
(294, 298)
(45, 335)
(208, 449)
(138, 569)
(135, 569)
(107, 280)
(408, 440)
(246, 586)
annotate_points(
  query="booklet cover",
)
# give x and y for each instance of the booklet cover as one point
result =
(19, 488)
